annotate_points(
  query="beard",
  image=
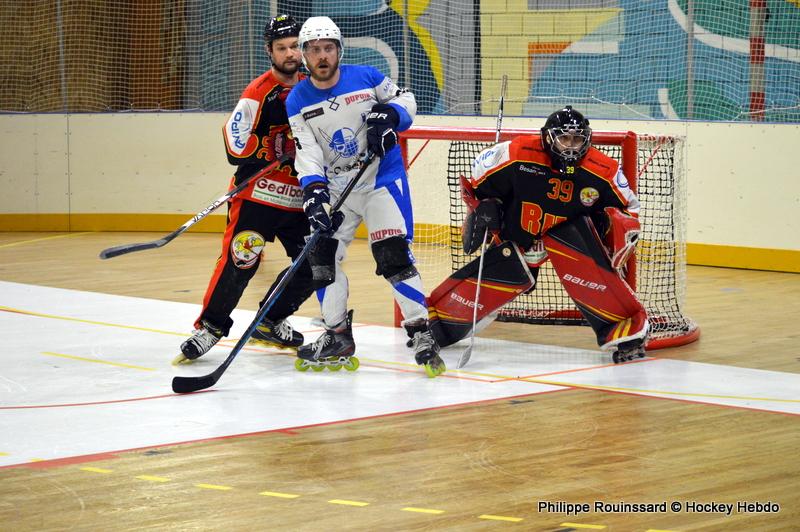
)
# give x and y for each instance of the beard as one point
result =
(319, 75)
(288, 68)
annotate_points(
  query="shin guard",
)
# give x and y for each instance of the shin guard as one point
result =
(451, 304)
(603, 297)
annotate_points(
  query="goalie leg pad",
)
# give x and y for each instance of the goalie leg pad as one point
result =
(603, 297)
(393, 259)
(451, 304)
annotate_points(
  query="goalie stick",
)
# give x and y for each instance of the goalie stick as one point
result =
(465, 356)
(193, 384)
(124, 249)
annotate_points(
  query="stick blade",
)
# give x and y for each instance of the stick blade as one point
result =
(116, 251)
(464, 357)
(193, 384)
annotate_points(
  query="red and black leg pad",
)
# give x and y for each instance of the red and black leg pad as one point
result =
(582, 264)
(451, 304)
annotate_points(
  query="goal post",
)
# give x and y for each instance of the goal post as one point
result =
(654, 165)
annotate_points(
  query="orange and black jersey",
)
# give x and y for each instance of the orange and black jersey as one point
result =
(537, 197)
(257, 133)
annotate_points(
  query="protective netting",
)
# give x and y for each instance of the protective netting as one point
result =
(660, 273)
(700, 59)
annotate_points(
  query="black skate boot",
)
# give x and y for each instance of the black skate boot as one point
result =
(333, 349)
(278, 334)
(199, 344)
(426, 350)
(627, 351)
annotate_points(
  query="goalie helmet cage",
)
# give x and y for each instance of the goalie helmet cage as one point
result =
(654, 167)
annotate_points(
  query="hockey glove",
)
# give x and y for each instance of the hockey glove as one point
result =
(487, 215)
(381, 125)
(317, 206)
(621, 236)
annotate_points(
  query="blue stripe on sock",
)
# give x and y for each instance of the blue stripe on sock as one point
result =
(411, 293)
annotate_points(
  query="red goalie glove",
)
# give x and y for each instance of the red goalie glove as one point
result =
(621, 236)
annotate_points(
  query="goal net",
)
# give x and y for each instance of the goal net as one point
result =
(654, 165)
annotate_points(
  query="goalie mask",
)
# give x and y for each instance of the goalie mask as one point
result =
(566, 136)
(280, 27)
(316, 28)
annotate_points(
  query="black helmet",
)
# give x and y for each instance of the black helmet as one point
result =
(280, 27)
(566, 123)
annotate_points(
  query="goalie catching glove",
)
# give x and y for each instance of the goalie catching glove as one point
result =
(381, 129)
(488, 214)
(317, 206)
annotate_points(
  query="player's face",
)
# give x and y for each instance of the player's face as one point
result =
(286, 55)
(322, 59)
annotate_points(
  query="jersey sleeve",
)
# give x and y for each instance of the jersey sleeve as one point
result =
(309, 160)
(402, 100)
(492, 172)
(241, 143)
(623, 197)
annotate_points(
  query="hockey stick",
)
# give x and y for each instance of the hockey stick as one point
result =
(465, 356)
(141, 246)
(193, 384)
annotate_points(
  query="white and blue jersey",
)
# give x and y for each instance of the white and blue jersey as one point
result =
(329, 127)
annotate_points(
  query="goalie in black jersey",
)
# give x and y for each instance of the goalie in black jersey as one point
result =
(549, 197)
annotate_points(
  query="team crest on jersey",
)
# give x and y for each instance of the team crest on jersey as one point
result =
(246, 248)
(343, 142)
(589, 196)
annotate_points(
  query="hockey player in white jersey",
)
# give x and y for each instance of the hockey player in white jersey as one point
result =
(337, 115)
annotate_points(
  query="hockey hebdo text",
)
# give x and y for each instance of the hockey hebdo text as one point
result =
(602, 507)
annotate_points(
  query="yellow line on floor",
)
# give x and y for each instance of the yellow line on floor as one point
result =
(96, 470)
(348, 503)
(279, 495)
(43, 238)
(151, 478)
(500, 518)
(422, 510)
(91, 322)
(580, 525)
(661, 392)
(97, 361)
(213, 487)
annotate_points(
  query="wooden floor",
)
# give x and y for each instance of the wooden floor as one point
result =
(483, 466)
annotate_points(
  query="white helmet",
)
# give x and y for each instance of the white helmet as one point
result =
(315, 28)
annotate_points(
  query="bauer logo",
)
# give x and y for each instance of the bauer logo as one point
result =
(586, 284)
(466, 302)
(246, 248)
(589, 196)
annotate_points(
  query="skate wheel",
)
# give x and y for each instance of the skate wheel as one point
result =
(434, 370)
(318, 368)
(300, 365)
(181, 359)
(335, 367)
(352, 364)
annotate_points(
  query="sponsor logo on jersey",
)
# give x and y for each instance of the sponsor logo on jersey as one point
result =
(358, 97)
(531, 169)
(458, 299)
(277, 193)
(384, 233)
(581, 282)
(488, 158)
(308, 115)
(622, 181)
(236, 132)
(343, 142)
(589, 196)
(246, 248)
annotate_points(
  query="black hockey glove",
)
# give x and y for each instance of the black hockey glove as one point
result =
(487, 215)
(381, 125)
(317, 206)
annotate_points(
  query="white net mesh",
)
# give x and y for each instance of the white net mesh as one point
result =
(701, 59)
(661, 254)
